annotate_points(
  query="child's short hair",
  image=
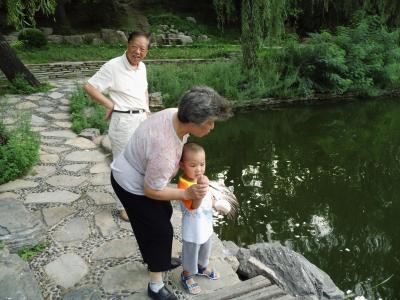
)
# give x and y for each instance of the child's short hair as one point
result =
(191, 147)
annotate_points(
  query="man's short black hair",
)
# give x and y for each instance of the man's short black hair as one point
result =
(135, 34)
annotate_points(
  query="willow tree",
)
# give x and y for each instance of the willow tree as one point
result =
(261, 21)
(19, 14)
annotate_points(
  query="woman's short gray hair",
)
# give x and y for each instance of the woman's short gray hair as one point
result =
(202, 103)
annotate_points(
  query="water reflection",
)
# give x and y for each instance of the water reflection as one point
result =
(323, 181)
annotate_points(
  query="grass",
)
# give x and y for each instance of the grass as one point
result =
(19, 150)
(86, 113)
(29, 253)
(64, 52)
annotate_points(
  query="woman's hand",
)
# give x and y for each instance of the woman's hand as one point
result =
(197, 191)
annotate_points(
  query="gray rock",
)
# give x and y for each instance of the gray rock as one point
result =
(155, 99)
(101, 198)
(47, 30)
(53, 149)
(56, 95)
(100, 168)
(89, 133)
(100, 179)
(184, 39)
(73, 39)
(66, 180)
(106, 143)
(288, 269)
(82, 143)
(67, 270)
(52, 197)
(105, 223)
(89, 37)
(33, 98)
(43, 171)
(45, 109)
(97, 41)
(83, 293)
(59, 133)
(230, 248)
(86, 156)
(131, 277)
(38, 121)
(191, 19)
(113, 36)
(53, 215)
(75, 167)
(18, 227)
(63, 124)
(72, 233)
(17, 185)
(8, 195)
(120, 248)
(55, 38)
(16, 279)
(59, 116)
(47, 158)
(25, 105)
(202, 38)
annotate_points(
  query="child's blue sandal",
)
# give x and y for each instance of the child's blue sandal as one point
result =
(193, 288)
(213, 275)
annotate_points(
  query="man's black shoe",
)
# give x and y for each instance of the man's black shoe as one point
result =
(163, 294)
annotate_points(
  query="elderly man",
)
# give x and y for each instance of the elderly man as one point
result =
(124, 78)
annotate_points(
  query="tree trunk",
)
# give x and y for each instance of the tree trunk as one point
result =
(12, 66)
(62, 20)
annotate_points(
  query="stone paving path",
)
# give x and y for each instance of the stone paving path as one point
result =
(91, 253)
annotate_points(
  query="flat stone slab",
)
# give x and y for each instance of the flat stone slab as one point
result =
(53, 215)
(67, 270)
(18, 227)
(63, 124)
(50, 141)
(101, 198)
(47, 158)
(38, 121)
(75, 167)
(63, 108)
(86, 156)
(55, 95)
(59, 116)
(100, 179)
(52, 197)
(59, 133)
(120, 248)
(9, 195)
(66, 180)
(100, 168)
(131, 277)
(16, 279)
(43, 171)
(81, 143)
(105, 223)
(45, 109)
(53, 149)
(17, 185)
(25, 105)
(65, 101)
(83, 293)
(73, 232)
(33, 97)
(38, 129)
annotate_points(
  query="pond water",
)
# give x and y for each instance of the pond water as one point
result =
(324, 181)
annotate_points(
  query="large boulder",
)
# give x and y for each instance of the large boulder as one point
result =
(113, 36)
(16, 279)
(288, 269)
(18, 227)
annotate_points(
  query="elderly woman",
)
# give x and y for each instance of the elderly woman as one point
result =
(140, 176)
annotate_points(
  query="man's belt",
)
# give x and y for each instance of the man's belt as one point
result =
(131, 111)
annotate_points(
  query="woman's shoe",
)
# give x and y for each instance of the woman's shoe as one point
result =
(162, 294)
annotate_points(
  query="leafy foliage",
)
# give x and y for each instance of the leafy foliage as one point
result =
(86, 113)
(19, 150)
(32, 37)
(29, 253)
(20, 86)
(362, 58)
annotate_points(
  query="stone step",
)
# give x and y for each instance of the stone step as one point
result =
(258, 287)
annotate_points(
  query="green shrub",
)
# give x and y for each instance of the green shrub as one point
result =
(81, 119)
(19, 150)
(32, 37)
(20, 86)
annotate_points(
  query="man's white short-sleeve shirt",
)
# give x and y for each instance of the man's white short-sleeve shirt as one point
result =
(125, 84)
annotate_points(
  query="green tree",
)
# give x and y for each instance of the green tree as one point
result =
(19, 14)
